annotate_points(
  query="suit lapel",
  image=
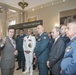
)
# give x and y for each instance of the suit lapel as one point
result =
(56, 42)
(10, 41)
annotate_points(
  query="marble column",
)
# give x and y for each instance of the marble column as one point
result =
(22, 17)
(4, 21)
(0, 25)
(25, 15)
(19, 17)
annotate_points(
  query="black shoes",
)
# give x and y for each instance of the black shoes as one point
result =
(18, 68)
(23, 70)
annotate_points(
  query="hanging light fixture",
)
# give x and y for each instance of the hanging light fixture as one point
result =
(23, 4)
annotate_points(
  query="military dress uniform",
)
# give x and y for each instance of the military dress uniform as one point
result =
(68, 64)
(42, 53)
(29, 45)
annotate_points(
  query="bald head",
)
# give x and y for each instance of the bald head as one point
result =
(73, 24)
(40, 29)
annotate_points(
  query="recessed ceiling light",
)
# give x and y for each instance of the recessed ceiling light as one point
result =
(21, 12)
(63, 0)
(41, 6)
(52, 3)
(33, 9)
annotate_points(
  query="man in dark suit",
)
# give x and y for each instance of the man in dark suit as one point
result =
(57, 52)
(50, 45)
(8, 53)
(42, 51)
(19, 47)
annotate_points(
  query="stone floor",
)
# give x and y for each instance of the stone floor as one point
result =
(19, 72)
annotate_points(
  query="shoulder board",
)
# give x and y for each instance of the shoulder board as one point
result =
(44, 33)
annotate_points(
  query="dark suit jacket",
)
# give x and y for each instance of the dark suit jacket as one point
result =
(0, 42)
(41, 49)
(7, 55)
(68, 63)
(56, 55)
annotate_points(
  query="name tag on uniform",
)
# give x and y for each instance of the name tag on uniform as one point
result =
(44, 37)
(68, 49)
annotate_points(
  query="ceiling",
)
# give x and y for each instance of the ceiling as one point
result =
(32, 3)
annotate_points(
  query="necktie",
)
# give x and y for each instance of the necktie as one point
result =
(13, 43)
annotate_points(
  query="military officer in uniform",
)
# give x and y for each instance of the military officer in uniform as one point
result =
(28, 46)
(41, 51)
(68, 64)
(19, 47)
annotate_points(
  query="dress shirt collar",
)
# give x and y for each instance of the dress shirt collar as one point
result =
(57, 38)
(73, 37)
(41, 33)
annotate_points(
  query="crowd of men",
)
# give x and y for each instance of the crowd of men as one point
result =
(54, 51)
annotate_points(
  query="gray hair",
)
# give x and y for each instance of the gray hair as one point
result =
(58, 29)
(74, 23)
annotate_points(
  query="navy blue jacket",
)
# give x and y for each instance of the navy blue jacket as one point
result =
(19, 42)
(68, 64)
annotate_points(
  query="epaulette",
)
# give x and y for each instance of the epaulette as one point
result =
(44, 33)
(73, 40)
(45, 36)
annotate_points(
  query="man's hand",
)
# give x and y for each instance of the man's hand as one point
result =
(16, 52)
(60, 71)
(34, 55)
(48, 64)
(4, 40)
(35, 58)
(27, 51)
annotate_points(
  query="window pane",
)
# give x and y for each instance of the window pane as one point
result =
(12, 22)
